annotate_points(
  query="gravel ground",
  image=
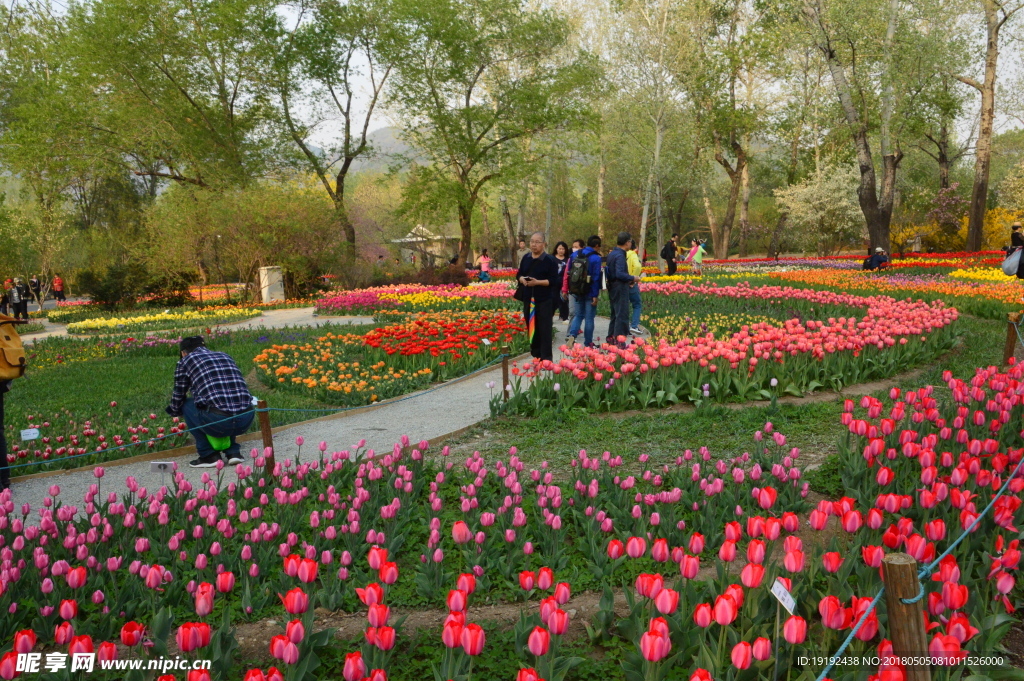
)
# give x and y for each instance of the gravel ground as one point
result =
(422, 416)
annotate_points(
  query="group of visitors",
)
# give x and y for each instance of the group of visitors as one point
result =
(16, 294)
(569, 281)
(671, 251)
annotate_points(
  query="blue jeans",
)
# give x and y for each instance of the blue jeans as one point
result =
(586, 312)
(207, 423)
(636, 304)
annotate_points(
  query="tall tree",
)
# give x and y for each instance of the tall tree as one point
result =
(996, 15)
(322, 60)
(879, 60)
(477, 76)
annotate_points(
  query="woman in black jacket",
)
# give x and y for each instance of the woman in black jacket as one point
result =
(1016, 242)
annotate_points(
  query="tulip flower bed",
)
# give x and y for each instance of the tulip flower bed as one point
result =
(982, 299)
(395, 359)
(373, 533)
(183, 319)
(761, 360)
(414, 297)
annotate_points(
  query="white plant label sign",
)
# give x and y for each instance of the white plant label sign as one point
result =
(29, 434)
(780, 591)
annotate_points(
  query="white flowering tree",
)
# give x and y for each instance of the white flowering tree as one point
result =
(823, 209)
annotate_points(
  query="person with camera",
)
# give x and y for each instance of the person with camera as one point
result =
(220, 406)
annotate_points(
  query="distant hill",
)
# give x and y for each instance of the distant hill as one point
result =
(386, 145)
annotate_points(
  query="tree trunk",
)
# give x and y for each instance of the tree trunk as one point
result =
(601, 172)
(708, 210)
(983, 148)
(943, 156)
(659, 134)
(660, 236)
(877, 223)
(720, 236)
(745, 211)
(487, 227)
(466, 228)
(547, 208)
(507, 218)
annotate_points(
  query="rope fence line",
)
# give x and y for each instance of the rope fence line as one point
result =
(336, 410)
(922, 574)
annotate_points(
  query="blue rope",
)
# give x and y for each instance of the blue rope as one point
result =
(922, 573)
(43, 462)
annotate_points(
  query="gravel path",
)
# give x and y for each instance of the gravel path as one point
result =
(425, 415)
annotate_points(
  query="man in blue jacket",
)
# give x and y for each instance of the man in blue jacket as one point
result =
(619, 283)
(586, 288)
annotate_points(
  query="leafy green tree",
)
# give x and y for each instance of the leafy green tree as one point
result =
(475, 77)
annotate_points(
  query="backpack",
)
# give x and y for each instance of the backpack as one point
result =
(579, 277)
(867, 263)
(12, 352)
(668, 251)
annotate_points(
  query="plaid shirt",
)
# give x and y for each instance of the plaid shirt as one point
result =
(215, 381)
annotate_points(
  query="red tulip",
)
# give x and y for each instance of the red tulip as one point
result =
(702, 615)
(526, 580)
(451, 634)
(24, 641)
(935, 530)
(725, 610)
(539, 641)
(307, 570)
(68, 609)
(766, 498)
(689, 566)
(376, 557)
(529, 674)
(742, 655)
(752, 574)
(852, 521)
(461, 532)
(667, 601)
(872, 555)
(794, 561)
(9, 665)
(762, 649)
(225, 582)
(755, 551)
(467, 583)
(946, 649)
(558, 622)
(833, 614)
(76, 577)
(291, 564)
(655, 646)
(727, 552)
(63, 633)
(378, 614)
(545, 578)
(373, 593)
(696, 543)
(701, 675)
(378, 675)
(562, 593)
(296, 601)
(547, 608)
(192, 636)
(254, 675)
(735, 591)
(107, 651)
(959, 626)
(385, 638)
(636, 547)
(198, 675)
(131, 634)
(355, 668)
(831, 561)
(473, 639)
(659, 550)
(295, 631)
(954, 596)
(204, 599)
(81, 644)
(649, 585)
(457, 600)
(795, 630)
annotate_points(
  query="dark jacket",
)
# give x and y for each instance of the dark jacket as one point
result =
(1016, 239)
(875, 261)
(593, 268)
(617, 269)
(544, 267)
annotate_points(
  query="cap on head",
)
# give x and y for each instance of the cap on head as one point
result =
(878, 249)
(191, 343)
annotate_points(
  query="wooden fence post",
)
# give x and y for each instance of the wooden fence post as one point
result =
(905, 620)
(505, 350)
(268, 435)
(1010, 348)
